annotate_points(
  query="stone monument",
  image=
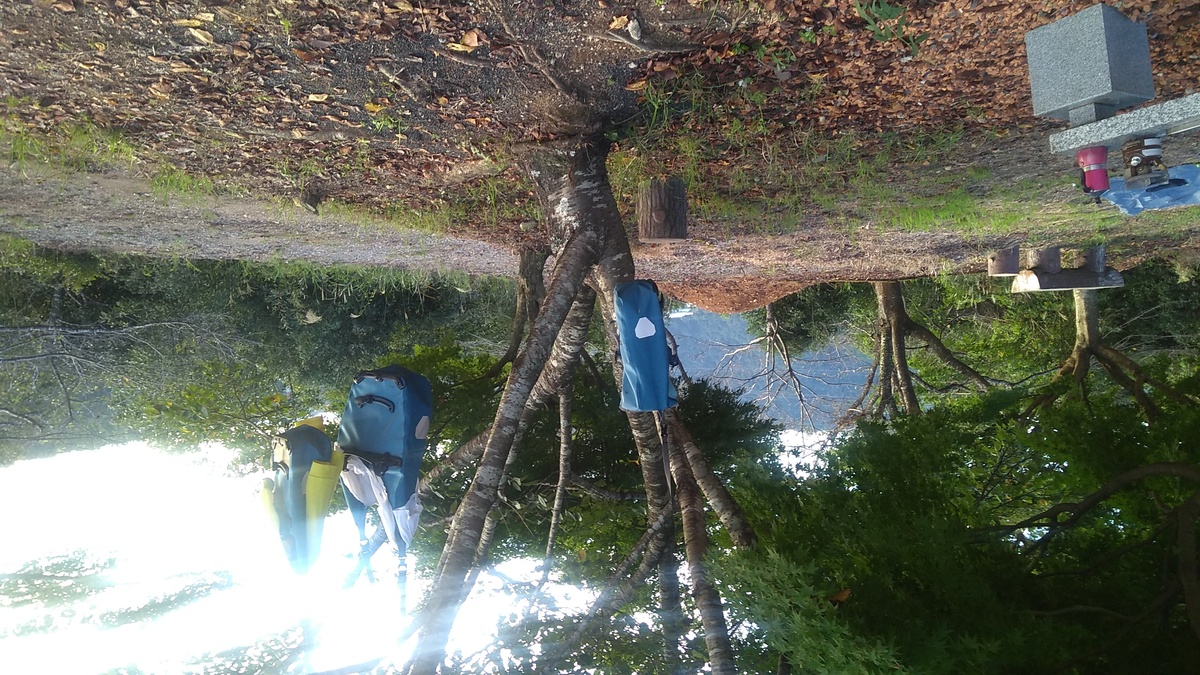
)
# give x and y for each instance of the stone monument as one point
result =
(1084, 69)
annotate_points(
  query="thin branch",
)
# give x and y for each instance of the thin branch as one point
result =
(614, 591)
(564, 476)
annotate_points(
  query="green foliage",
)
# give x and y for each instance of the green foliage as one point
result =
(238, 404)
(889, 22)
(779, 594)
(905, 516)
(23, 263)
(188, 352)
(1004, 335)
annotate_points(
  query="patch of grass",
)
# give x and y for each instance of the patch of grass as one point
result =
(22, 148)
(171, 181)
(498, 199)
(68, 147)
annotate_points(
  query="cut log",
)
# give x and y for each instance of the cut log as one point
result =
(662, 211)
(1066, 280)
(1048, 260)
(1094, 259)
(1005, 262)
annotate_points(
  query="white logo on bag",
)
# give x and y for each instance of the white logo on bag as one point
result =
(644, 328)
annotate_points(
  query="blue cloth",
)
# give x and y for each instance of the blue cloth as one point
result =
(646, 385)
(1133, 202)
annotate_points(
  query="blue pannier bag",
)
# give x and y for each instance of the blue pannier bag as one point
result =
(646, 385)
(386, 426)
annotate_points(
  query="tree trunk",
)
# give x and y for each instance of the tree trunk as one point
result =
(726, 507)
(662, 211)
(695, 538)
(530, 291)
(568, 347)
(891, 309)
(1087, 320)
(1189, 511)
(583, 248)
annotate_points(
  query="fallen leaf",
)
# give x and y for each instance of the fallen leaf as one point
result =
(64, 7)
(206, 16)
(637, 85)
(161, 89)
(460, 47)
(202, 36)
(187, 23)
(373, 107)
(618, 22)
(318, 98)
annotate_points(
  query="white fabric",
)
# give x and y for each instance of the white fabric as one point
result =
(644, 328)
(407, 517)
(368, 488)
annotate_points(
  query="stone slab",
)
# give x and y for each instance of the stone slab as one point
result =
(1030, 281)
(1097, 55)
(1162, 119)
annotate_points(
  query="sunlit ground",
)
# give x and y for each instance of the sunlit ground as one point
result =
(127, 559)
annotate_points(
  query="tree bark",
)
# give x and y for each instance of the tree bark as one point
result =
(564, 477)
(726, 507)
(582, 249)
(662, 211)
(695, 538)
(530, 291)
(891, 309)
(1188, 578)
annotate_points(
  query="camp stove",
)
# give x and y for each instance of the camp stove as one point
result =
(1144, 167)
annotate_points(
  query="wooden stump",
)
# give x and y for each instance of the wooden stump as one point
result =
(1048, 260)
(662, 211)
(1005, 262)
(1094, 259)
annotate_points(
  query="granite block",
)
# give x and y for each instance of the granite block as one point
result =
(1096, 56)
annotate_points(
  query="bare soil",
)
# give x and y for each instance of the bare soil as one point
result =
(398, 104)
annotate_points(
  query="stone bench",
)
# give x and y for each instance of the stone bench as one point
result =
(1043, 270)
